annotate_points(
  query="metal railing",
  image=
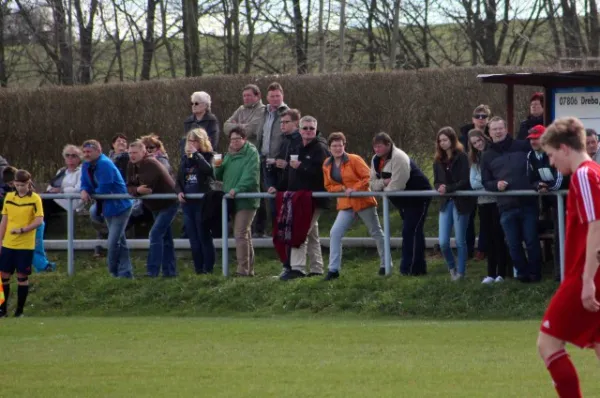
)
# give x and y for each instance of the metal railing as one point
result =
(385, 195)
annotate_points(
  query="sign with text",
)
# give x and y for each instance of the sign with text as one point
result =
(580, 102)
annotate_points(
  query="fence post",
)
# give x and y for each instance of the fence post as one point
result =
(387, 256)
(224, 237)
(561, 233)
(70, 237)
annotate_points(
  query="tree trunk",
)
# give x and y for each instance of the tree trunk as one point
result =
(148, 43)
(4, 10)
(551, 11)
(235, 43)
(571, 30)
(249, 43)
(191, 40)
(593, 36)
(86, 29)
(395, 35)
(301, 59)
(321, 36)
(342, 34)
(165, 38)
(371, 36)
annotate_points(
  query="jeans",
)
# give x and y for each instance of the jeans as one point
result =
(413, 239)
(268, 179)
(162, 250)
(343, 221)
(98, 222)
(449, 218)
(470, 234)
(520, 225)
(119, 263)
(201, 241)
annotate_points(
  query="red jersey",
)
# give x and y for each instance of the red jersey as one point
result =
(583, 207)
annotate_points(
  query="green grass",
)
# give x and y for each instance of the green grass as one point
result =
(279, 357)
(359, 292)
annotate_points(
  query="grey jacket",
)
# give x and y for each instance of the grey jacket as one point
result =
(251, 117)
(276, 134)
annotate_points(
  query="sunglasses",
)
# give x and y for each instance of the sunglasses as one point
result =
(71, 155)
(309, 128)
(480, 116)
(195, 103)
(151, 148)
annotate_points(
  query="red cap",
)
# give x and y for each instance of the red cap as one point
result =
(536, 131)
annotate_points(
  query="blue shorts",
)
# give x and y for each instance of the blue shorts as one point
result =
(16, 259)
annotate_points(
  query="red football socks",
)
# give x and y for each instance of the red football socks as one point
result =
(563, 375)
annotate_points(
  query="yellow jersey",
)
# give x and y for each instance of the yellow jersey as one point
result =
(21, 211)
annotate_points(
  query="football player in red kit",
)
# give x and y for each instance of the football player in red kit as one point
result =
(573, 313)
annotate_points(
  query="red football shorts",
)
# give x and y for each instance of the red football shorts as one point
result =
(566, 319)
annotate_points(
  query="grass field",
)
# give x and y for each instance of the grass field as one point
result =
(276, 357)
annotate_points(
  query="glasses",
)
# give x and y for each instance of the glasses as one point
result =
(309, 128)
(151, 148)
(195, 103)
(480, 116)
(71, 155)
(235, 139)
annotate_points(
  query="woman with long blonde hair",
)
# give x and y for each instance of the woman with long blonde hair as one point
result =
(196, 175)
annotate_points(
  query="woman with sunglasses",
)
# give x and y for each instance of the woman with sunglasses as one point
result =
(201, 117)
(155, 148)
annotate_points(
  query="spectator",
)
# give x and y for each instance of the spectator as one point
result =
(306, 174)
(545, 178)
(291, 144)
(66, 180)
(196, 175)
(250, 115)
(203, 118)
(392, 170)
(345, 172)
(504, 168)
(240, 173)
(155, 148)
(481, 115)
(489, 218)
(479, 121)
(3, 164)
(118, 153)
(451, 174)
(146, 175)
(536, 115)
(100, 176)
(268, 145)
(22, 214)
(591, 144)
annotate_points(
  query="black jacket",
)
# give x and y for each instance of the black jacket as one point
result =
(309, 176)
(195, 173)
(507, 161)
(455, 176)
(209, 123)
(528, 124)
(291, 144)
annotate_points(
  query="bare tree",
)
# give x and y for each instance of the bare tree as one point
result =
(4, 11)
(395, 34)
(342, 33)
(86, 29)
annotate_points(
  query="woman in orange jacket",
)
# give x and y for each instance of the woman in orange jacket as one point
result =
(345, 172)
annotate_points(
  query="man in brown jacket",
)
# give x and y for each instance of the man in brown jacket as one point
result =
(146, 175)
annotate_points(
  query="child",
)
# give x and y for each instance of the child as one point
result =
(22, 214)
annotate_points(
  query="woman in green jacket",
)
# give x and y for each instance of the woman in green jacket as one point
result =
(240, 173)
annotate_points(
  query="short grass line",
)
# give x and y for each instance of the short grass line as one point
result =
(278, 357)
(359, 292)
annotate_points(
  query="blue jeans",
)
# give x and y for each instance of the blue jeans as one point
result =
(343, 221)
(119, 263)
(201, 241)
(521, 224)
(162, 250)
(450, 217)
(98, 222)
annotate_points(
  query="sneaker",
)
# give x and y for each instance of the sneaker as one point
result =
(488, 280)
(459, 277)
(499, 279)
(282, 273)
(310, 275)
(381, 271)
(19, 314)
(292, 274)
(331, 275)
(453, 274)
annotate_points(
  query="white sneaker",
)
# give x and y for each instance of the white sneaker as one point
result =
(499, 279)
(453, 274)
(487, 280)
